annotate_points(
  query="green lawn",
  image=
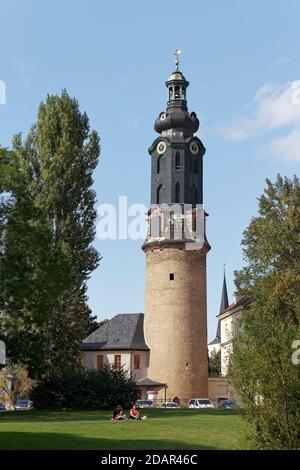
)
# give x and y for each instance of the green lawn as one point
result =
(165, 429)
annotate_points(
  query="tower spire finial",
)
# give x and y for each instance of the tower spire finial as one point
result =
(178, 52)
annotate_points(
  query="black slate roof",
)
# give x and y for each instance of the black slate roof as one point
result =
(124, 331)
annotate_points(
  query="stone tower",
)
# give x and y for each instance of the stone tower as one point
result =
(176, 248)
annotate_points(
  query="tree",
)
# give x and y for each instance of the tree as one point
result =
(15, 383)
(33, 271)
(214, 363)
(261, 366)
(58, 157)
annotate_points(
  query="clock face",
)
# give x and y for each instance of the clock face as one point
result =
(194, 148)
(162, 117)
(161, 147)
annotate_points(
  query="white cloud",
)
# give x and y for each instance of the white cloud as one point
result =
(274, 107)
(286, 148)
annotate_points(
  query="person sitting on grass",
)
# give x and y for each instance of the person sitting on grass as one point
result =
(118, 414)
(134, 413)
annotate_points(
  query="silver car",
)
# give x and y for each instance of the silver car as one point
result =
(145, 404)
(200, 403)
(23, 405)
(170, 405)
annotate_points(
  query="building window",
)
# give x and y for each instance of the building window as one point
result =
(177, 192)
(137, 361)
(194, 225)
(161, 194)
(158, 165)
(117, 361)
(194, 195)
(171, 276)
(100, 361)
(177, 160)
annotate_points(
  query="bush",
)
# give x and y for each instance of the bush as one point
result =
(85, 389)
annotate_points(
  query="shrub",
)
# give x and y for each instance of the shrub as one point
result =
(85, 389)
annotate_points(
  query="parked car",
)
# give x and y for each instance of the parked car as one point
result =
(229, 404)
(145, 404)
(169, 405)
(23, 405)
(2, 407)
(200, 403)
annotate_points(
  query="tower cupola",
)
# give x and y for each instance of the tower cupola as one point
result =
(176, 115)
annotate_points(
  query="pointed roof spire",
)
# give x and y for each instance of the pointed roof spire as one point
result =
(223, 306)
(224, 298)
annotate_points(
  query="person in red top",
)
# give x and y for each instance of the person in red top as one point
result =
(134, 412)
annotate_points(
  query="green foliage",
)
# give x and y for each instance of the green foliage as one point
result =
(15, 382)
(47, 226)
(214, 363)
(271, 241)
(33, 272)
(261, 366)
(85, 389)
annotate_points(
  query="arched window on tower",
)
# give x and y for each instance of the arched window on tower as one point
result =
(158, 165)
(194, 221)
(161, 194)
(194, 195)
(183, 92)
(161, 224)
(171, 225)
(177, 192)
(177, 92)
(170, 92)
(177, 161)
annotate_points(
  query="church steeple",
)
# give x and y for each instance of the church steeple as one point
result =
(224, 304)
(224, 298)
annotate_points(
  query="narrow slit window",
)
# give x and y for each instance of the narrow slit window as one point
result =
(158, 165)
(171, 276)
(177, 161)
(177, 192)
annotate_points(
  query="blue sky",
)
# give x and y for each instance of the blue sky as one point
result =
(242, 61)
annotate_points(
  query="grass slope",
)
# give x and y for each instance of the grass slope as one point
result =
(165, 429)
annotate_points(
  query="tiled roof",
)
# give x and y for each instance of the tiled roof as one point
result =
(243, 301)
(124, 331)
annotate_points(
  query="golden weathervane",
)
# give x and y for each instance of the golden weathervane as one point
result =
(177, 53)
